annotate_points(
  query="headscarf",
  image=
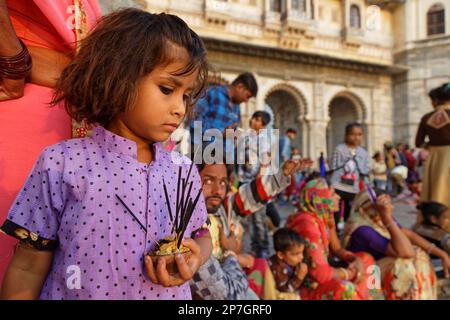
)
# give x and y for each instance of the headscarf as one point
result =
(362, 214)
(316, 200)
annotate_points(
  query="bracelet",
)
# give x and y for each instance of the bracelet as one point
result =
(18, 66)
(345, 273)
(431, 248)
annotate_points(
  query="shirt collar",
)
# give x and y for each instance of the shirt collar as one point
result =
(119, 144)
(224, 89)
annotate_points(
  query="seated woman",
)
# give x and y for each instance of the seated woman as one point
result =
(433, 227)
(315, 223)
(401, 254)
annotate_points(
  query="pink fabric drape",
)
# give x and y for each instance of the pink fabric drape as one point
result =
(28, 124)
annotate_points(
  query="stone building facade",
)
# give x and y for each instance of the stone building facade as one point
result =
(427, 57)
(321, 64)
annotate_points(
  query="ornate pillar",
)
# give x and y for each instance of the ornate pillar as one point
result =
(318, 137)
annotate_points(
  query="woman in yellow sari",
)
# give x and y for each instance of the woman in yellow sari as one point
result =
(401, 254)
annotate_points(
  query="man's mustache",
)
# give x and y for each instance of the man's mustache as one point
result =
(214, 198)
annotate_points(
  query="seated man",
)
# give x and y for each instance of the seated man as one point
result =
(224, 213)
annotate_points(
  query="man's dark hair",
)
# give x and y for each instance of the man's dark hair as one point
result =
(263, 115)
(285, 238)
(203, 164)
(349, 127)
(249, 82)
(290, 130)
(431, 208)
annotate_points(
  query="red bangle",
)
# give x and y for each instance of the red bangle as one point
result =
(18, 66)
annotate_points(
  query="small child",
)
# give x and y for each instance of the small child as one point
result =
(433, 227)
(287, 263)
(379, 171)
(135, 77)
(292, 192)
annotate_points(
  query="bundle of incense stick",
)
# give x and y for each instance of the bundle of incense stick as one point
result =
(184, 206)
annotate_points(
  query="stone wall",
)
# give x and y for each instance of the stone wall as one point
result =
(429, 63)
(313, 87)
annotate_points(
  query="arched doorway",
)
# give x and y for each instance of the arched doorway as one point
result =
(287, 109)
(342, 111)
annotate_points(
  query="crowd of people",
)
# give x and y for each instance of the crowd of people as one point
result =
(93, 208)
(340, 238)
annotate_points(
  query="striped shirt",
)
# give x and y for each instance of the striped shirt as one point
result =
(248, 199)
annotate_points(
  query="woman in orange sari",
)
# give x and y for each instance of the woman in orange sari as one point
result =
(315, 223)
(46, 31)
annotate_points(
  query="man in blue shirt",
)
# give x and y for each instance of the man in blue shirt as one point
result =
(220, 109)
(285, 145)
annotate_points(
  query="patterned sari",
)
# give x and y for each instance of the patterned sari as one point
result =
(314, 223)
(401, 279)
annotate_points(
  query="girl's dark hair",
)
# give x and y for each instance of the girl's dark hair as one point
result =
(440, 95)
(125, 46)
(431, 208)
(263, 115)
(349, 127)
(285, 238)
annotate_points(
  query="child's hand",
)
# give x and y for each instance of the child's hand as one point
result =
(186, 269)
(302, 271)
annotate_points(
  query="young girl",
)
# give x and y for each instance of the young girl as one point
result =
(435, 221)
(135, 77)
(349, 163)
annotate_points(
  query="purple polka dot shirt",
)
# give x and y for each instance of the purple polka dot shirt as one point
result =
(70, 197)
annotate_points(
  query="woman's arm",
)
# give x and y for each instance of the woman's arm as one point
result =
(318, 267)
(9, 47)
(9, 43)
(337, 250)
(430, 248)
(421, 134)
(399, 246)
(47, 66)
(26, 273)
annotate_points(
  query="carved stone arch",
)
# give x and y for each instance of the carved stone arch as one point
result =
(289, 106)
